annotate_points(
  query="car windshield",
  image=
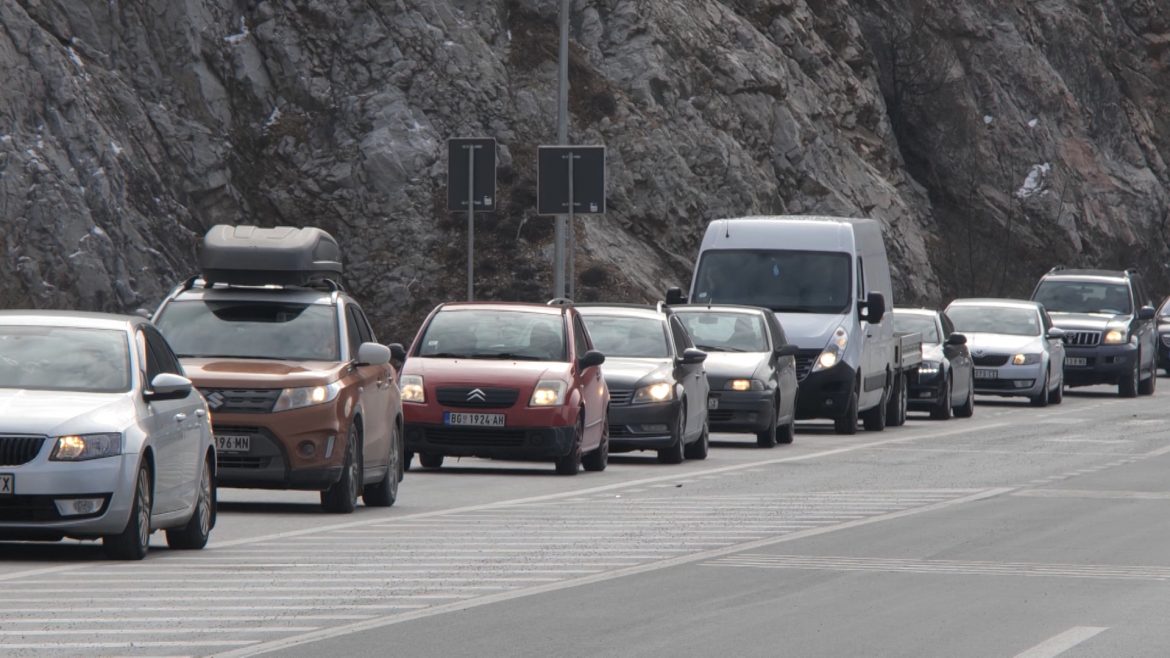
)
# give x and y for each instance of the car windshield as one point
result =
(784, 281)
(618, 336)
(64, 359)
(1084, 297)
(917, 324)
(251, 330)
(494, 334)
(995, 320)
(714, 331)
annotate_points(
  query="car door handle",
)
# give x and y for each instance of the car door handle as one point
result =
(180, 417)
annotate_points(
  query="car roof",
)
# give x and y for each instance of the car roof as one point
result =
(257, 294)
(627, 310)
(1116, 275)
(717, 308)
(80, 319)
(527, 307)
(995, 301)
(903, 310)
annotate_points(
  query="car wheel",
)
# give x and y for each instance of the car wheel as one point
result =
(598, 459)
(768, 437)
(1057, 394)
(896, 407)
(942, 409)
(700, 448)
(1128, 387)
(675, 453)
(407, 458)
(874, 419)
(195, 534)
(570, 464)
(1150, 385)
(847, 422)
(134, 540)
(341, 498)
(1041, 398)
(430, 459)
(786, 433)
(384, 493)
(967, 409)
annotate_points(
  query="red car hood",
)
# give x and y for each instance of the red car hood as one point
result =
(260, 373)
(501, 372)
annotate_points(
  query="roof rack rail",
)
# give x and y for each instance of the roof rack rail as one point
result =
(560, 301)
(1057, 269)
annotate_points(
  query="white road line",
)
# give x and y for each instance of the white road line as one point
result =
(50, 621)
(147, 631)
(131, 644)
(1058, 644)
(1089, 493)
(235, 595)
(244, 608)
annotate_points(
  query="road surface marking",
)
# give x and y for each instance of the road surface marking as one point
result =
(1056, 645)
(1096, 494)
(952, 567)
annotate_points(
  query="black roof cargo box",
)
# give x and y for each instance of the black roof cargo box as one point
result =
(284, 256)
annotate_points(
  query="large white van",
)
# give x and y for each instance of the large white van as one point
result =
(828, 281)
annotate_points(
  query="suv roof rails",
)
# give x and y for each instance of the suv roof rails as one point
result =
(1057, 269)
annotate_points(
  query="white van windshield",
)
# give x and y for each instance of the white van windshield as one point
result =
(782, 280)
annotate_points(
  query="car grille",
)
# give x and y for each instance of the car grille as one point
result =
(241, 400)
(28, 508)
(224, 460)
(804, 362)
(17, 450)
(470, 396)
(720, 415)
(620, 397)
(617, 431)
(1082, 338)
(1166, 340)
(991, 360)
(478, 436)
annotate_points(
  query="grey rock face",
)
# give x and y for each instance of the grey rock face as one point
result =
(993, 139)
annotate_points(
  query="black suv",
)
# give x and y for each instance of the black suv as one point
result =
(1108, 319)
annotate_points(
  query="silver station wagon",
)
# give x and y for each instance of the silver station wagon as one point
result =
(101, 435)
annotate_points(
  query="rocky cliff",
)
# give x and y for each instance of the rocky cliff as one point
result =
(992, 137)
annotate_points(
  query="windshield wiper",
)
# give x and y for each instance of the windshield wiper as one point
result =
(510, 355)
(710, 348)
(446, 355)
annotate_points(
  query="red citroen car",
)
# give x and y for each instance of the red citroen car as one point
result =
(506, 381)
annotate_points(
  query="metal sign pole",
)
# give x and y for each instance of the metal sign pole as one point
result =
(562, 138)
(572, 276)
(471, 224)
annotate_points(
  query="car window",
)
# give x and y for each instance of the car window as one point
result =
(629, 336)
(908, 323)
(160, 353)
(971, 319)
(713, 331)
(485, 333)
(582, 339)
(861, 292)
(682, 340)
(782, 280)
(948, 327)
(251, 329)
(352, 331)
(64, 359)
(778, 337)
(364, 328)
(1060, 296)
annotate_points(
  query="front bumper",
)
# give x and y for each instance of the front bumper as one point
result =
(519, 443)
(740, 411)
(278, 456)
(642, 426)
(1104, 364)
(825, 393)
(31, 513)
(923, 391)
(1164, 350)
(1010, 380)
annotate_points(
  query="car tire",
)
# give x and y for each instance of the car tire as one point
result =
(967, 409)
(699, 448)
(896, 407)
(786, 433)
(598, 459)
(134, 540)
(847, 422)
(1128, 387)
(385, 493)
(430, 459)
(407, 458)
(1057, 394)
(942, 409)
(768, 437)
(570, 464)
(874, 419)
(1041, 398)
(1150, 385)
(194, 535)
(677, 450)
(341, 498)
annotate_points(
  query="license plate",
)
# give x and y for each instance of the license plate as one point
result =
(712, 403)
(986, 373)
(233, 442)
(7, 484)
(1076, 361)
(476, 420)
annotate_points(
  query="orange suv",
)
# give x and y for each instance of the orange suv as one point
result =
(301, 394)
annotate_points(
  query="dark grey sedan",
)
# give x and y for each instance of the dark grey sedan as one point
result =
(751, 369)
(944, 383)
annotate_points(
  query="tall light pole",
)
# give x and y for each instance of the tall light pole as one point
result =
(563, 139)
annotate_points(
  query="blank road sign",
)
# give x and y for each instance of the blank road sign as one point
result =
(552, 180)
(458, 152)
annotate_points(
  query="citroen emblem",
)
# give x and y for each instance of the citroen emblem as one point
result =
(215, 400)
(476, 395)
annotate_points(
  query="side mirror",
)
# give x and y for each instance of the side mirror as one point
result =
(675, 296)
(956, 339)
(590, 359)
(1055, 333)
(397, 352)
(1147, 313)
(875, 307)
(373, 354)
(787, 350)
(167, 386)
(691, 356)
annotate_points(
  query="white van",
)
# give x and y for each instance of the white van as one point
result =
(828, 281)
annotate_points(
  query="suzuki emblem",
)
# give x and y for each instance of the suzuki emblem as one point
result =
(477, 395)
(977, 353)
(215, 400)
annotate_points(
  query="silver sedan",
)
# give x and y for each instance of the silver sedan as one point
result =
(101, 435)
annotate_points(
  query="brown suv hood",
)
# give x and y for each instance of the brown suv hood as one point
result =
(261, 373)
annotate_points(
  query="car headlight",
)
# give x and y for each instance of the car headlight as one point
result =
(834, 351)
(79, 447)
(1025, 359)
(656, 392)
(744, 385)
(412, 389)
(929, 367)
(1114, 337)
(308, 396)
(548, 393)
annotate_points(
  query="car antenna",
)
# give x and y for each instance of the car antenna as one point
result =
(726, 228)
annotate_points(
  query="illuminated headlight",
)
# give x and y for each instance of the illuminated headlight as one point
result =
(1114, 337)
(834, 351)
(657, 392)
(80, 447)
(78, 506)
(929, 367)
(296, 398)
(1025, 359)
(412, 389)
(744, 385)
(548, 393)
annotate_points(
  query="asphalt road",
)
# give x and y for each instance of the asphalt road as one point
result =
(1019, 532)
